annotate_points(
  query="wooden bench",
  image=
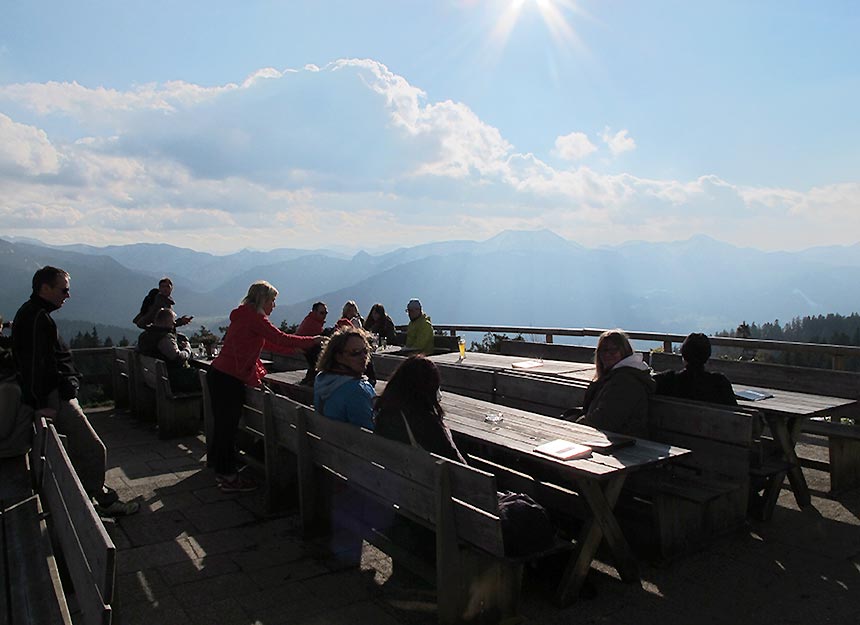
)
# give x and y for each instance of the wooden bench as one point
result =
(708, 492)
(87, 551)
(177, 414)
(548, 351)
(474, 579)
(123, 378)
(843, 439)
(31, 588)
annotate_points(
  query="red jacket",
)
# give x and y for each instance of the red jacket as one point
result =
(310, 326)
(249, 332)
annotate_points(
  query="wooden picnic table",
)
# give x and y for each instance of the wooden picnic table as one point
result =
(785, 412)
(510, 363)
(598, 478)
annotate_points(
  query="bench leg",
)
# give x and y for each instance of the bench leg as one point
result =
(844, 464)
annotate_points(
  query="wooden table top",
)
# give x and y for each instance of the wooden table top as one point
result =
(511, 363)
(790, 403)
(521, 431)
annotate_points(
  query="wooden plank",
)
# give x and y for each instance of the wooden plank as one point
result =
(720, 423)
(413, 498)
(413, 464)
(529, 349)
(36, 594)
(87, 547)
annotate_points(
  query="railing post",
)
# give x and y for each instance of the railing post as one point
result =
(667, 346)
(549, 338)
(838, 362)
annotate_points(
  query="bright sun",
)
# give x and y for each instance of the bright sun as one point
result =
(552, 12)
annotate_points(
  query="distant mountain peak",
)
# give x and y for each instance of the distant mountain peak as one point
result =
(543, 240)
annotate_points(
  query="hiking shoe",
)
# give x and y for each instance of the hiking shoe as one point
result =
(236, 484)
(118, 508)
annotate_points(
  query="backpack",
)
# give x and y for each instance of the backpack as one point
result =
(147, 303)
(526, 526)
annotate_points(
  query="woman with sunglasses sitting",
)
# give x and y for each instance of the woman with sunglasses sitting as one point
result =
(341, 391)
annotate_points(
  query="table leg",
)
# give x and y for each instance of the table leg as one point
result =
(600, 501)
(785, 433)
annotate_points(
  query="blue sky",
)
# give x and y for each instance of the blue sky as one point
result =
(220, 125)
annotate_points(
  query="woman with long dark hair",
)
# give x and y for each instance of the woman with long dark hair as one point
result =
(409, 410)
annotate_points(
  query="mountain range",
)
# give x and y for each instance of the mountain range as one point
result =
(515, 278)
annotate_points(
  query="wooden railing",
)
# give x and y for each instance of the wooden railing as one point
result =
(838, 353)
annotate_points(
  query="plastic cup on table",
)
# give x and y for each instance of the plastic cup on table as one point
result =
(461, 344)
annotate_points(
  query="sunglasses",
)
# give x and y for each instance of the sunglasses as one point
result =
(356, 352)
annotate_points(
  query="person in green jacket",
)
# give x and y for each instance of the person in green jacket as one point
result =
(419, 334)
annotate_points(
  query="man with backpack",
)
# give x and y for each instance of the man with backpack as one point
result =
(154, 301)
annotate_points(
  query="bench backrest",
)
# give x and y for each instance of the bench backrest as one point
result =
(420, 484)
(88, 551)
(550, 351)
(538, 393)
(720, 437)
(145, 367)
(124, 372)
(784, 377)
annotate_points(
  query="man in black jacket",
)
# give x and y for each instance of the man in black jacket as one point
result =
(49, 384)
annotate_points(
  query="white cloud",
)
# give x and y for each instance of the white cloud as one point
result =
(25, 150)
(329, 155)
(574, 146)
(619, 142)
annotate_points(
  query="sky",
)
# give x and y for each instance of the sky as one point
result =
(220, 125)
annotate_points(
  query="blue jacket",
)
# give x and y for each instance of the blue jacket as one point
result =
(344, 398)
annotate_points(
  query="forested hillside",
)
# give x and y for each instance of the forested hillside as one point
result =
(833, 329)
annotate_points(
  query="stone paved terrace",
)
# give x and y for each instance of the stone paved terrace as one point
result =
(196, 555)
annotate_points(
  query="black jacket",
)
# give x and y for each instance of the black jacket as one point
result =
(43, 361)
(698, 384)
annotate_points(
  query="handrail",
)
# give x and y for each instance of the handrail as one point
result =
(837, 352)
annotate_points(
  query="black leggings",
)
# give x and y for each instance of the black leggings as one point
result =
(227, 395)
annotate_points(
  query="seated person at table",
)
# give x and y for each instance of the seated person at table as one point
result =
(160, 340)
(341, 391)
(419, 333)
(350, 316)
(378, 322)
(693, 382)
(313, 325)
(617, 398)
(409, 410)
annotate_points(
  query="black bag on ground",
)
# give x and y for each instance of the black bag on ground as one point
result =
(526, 526)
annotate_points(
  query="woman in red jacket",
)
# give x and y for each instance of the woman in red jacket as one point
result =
(237, 365)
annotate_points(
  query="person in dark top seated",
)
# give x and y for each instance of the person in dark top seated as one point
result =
(409, 410)
(160, 340)
(693, 382)
(617, 398)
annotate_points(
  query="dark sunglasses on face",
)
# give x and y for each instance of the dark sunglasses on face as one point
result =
(356, 352)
